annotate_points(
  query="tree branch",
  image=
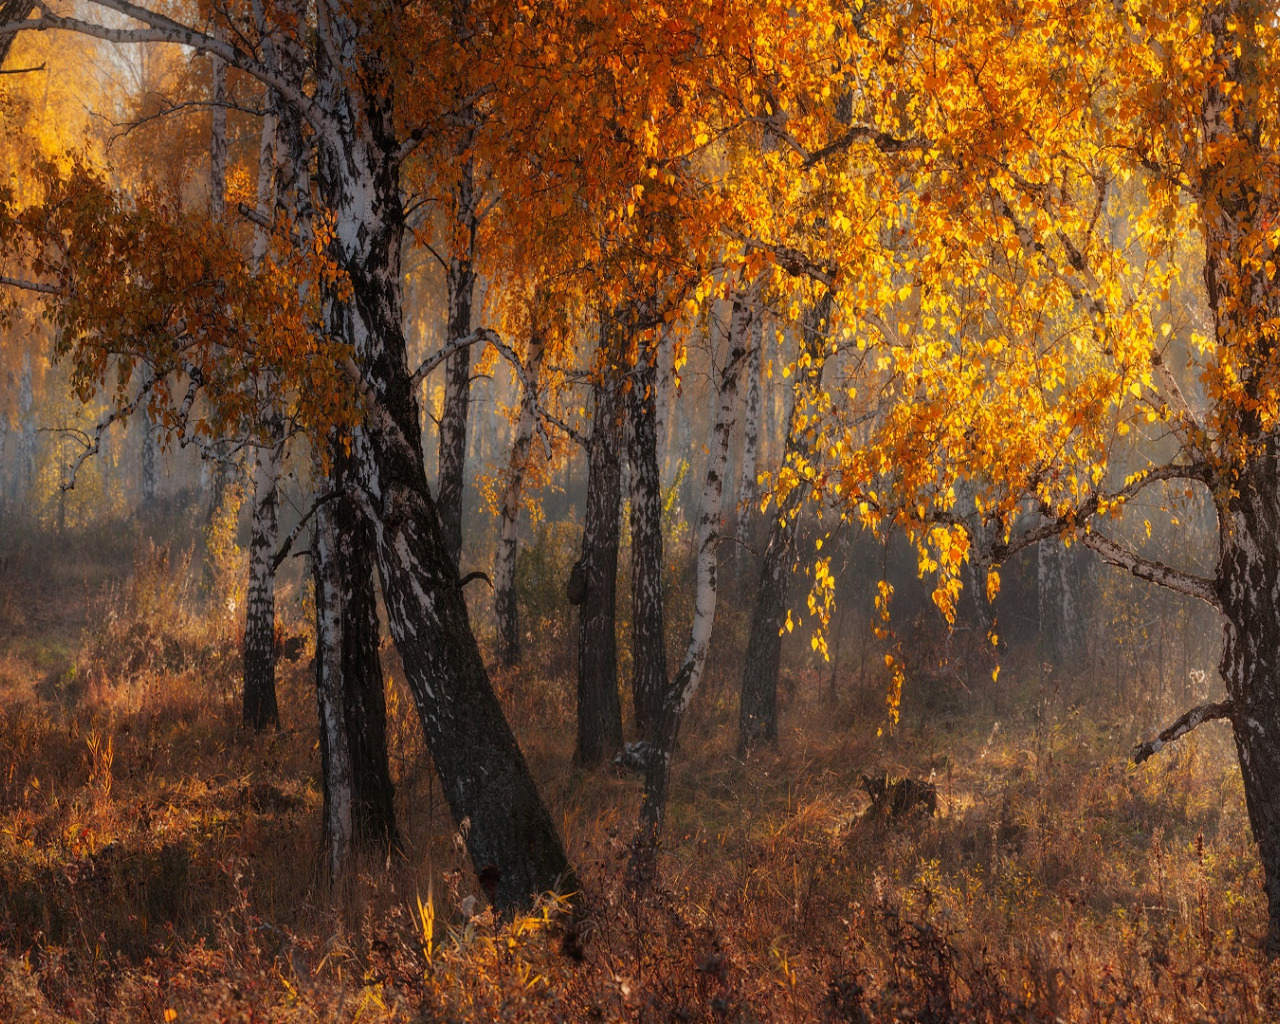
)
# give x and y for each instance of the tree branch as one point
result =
(1196, 716)
(160, 29)
(30, 286)
(283, 553)
(93, 444)
(1152, 571)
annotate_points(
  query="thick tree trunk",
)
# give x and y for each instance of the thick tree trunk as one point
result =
(359, 809)
(457, 389)
(509, 833)
(758, 707)
(648, 633)
(1244, 301)
(260, 709)
(657, 779)
(504, 570)
(1248, 585)
(599, 709)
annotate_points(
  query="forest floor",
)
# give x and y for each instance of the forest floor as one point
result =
(157, 863)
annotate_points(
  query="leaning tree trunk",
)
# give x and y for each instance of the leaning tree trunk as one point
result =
(594, 581)
(359, 809)
(657, 779)
(758, 707)
(457, 389)
(648, 635)
(509, 833)
(260, 709)
(504, 570)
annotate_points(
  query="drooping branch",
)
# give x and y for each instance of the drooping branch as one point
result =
(1152, 571)
(1193, 718)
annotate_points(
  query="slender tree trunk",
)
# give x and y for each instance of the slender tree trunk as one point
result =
(218, 142)
(27, 431)
(747, 488)
(260, 709)
(648, 634)
(599, 709)
(758, 707)
(504, 571)
(150, 482)
(509, 833)
(359, 809)
(657, 778)
(457, 388)
(665, 389)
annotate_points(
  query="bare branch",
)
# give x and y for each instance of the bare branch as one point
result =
(30, 286)
(22, 71)
(1196, 716)
(93, 443)
(160, 29)
(283, 553)
(457, 345)
(1152, 571)
(883, 141)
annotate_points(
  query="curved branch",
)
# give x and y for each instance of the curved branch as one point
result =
(160, 29)
(283, 553)
(93, 444)
(1152, 571)
(1196, 716)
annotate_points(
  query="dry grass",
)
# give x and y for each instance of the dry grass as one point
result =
(158, 864)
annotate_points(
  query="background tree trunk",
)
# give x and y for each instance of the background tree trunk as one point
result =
(747, 496)
(260, 708)
(648, 634)
(599, 709)
(758, 706)
(457, 389)
(504, 571)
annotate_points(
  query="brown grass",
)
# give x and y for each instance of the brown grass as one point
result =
(156, 863)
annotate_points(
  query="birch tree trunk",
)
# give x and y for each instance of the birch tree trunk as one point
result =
(359, 809)
(457, 389)
(657, 779)
(260, 708)
(648, 634)
(510, 836)
(599, 709)
(504, 570)
(218, 142)
(758, 706)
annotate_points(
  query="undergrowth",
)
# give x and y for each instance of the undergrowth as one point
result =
(159, 864)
